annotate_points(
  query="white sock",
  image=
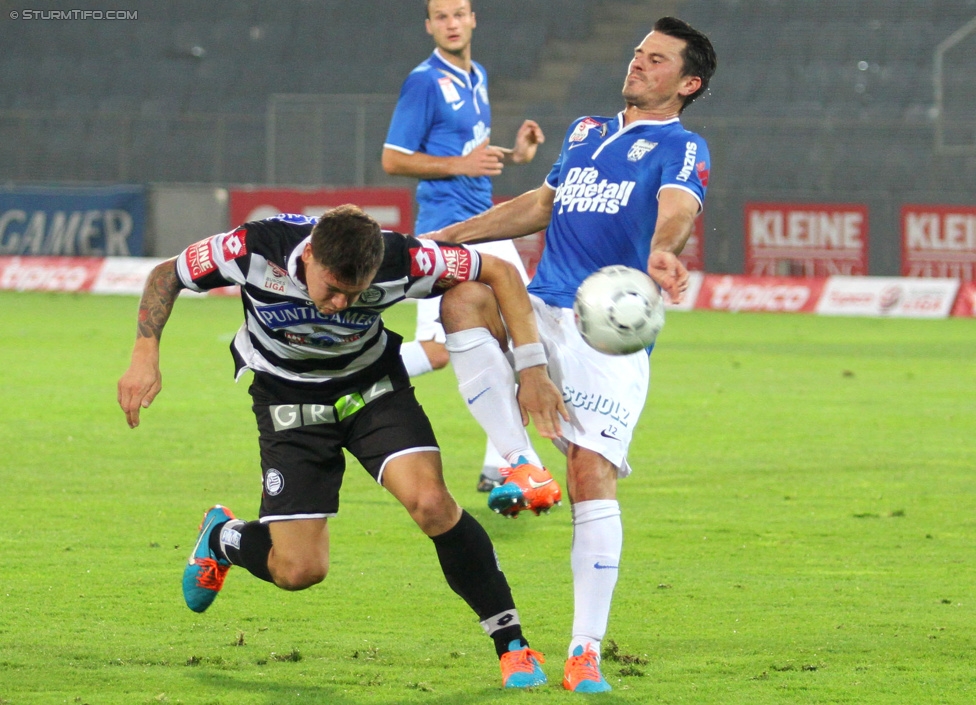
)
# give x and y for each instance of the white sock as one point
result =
(415, 358)
(487, 383)
(493, 462)
(595, 557)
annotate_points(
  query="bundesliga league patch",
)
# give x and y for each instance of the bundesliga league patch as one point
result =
(448, 89)
(583, 129)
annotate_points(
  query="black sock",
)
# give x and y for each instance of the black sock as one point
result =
(469, 563)
(253, 544)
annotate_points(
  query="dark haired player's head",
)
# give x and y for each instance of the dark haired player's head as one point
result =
(698, 55)
(348, 243)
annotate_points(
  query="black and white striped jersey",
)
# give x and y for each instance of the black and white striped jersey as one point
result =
(283, 334)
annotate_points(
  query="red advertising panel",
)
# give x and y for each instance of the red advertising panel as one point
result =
(693, 256)
(938, 241)
(734, 293)
(806, 239)
(391, 207)
(49, 273)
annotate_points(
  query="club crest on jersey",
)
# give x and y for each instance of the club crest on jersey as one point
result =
(639, 149)
(583, 129)
(371, 296)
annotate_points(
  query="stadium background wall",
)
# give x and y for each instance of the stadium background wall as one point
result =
(829, 101)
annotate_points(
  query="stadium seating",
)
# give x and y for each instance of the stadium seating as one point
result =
(791, 75)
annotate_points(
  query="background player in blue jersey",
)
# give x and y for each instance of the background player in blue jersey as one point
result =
(624, 190)
(328, 377)
(440, 134)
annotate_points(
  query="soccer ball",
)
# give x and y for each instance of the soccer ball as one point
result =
(619, 310)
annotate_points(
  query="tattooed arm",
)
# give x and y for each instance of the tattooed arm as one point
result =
(142, 381)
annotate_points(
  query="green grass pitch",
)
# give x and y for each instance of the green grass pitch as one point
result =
(800, 527)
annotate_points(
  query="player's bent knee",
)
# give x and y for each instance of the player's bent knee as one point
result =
(298, 575)
(466, 306)
(435, 513)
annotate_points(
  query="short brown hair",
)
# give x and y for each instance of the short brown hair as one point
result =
(698, 55)
(348, 243)
(427, 7)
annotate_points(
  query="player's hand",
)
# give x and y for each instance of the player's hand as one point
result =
(527, 140)
(539, 399)
(137, 388)
(666, 269)
(483, 160)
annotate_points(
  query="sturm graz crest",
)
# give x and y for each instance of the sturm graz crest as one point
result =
(371, 296)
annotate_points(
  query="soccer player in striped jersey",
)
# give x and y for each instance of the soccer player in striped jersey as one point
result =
(625, 190)
(327, 375)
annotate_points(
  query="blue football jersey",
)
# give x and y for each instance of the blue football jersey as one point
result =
(444, 112)
(607, 179)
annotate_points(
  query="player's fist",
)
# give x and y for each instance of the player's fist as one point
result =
(670, 274)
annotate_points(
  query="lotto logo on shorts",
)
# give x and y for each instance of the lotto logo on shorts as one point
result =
(199, 259)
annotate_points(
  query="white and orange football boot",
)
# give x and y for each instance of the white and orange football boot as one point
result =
(525, 486)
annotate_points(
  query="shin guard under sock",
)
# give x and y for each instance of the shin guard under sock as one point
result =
(470, 566)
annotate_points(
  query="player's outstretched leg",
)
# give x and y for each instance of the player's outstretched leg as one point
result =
(582, 674)
(204, 573)
(520, 666)
(526, 486)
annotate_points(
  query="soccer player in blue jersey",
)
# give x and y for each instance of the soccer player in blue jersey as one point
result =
(625, 190)
(440, 134)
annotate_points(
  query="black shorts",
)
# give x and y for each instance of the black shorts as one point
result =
(301, 443)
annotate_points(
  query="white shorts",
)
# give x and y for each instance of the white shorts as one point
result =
(604, 394)
(429, 310)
